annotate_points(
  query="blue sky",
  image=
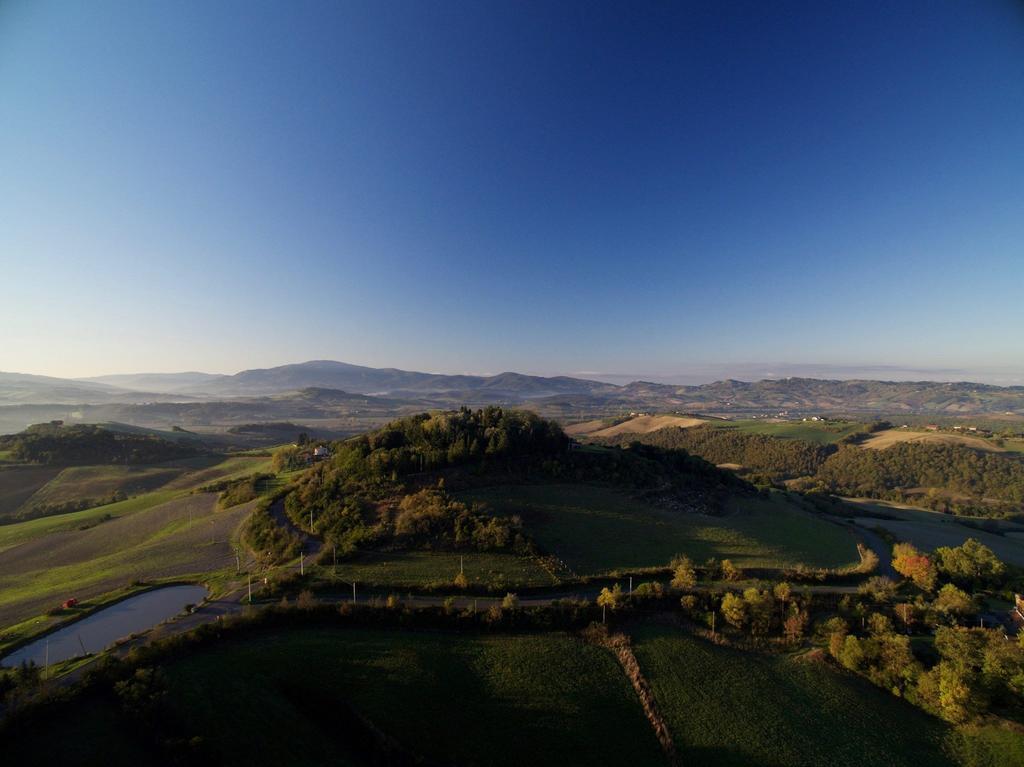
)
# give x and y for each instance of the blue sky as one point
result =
(592, 187)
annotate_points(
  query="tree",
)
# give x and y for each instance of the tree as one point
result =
(760, 607)
(953, 602)
(879, 624)
(907, 613)
(1003, 666)
(730, 572)
(685, 576)
(895, 666)
(461, 581)
(649, 590)
(611, 598)
(912, 564)
(734, 610)
(795, 624)
(510, 602)
(852, 654)
(963, 647)
(958, 700)
(878, 588)
(833, 631)
(970, 563)
(782, 592)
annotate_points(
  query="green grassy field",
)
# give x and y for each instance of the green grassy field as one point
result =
(14, 534)
(990, 745)
(823, 433)
(231, 467)
(22, 487)
(279, 698)
(76, 482)
(726, 707)
(154, 543)
(596, 529)
(409, 569)
(1013, 445)
(96, 553)
(19, 483)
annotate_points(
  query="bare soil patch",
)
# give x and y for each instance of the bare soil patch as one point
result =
(643, 424)
(883, 439)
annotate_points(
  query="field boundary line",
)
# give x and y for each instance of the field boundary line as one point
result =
(619, 645)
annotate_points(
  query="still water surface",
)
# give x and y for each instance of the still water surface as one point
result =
(102, 629)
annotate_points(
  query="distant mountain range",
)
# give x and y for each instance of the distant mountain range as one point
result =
(797, 396)
(327, 374)
(325, 389)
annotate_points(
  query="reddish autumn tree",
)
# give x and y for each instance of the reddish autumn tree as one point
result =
(912, 564)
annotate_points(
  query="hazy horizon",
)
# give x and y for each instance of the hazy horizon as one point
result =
(543, 188)
(689, 375)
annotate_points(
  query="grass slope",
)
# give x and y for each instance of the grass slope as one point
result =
(19, 483)
(405, 569)
(725, 707)
(77, 482)
(819, 432)
(280, 697)
(597, 529)
(154, 543)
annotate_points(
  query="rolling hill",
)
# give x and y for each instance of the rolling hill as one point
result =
(301, 391)
(327, 374)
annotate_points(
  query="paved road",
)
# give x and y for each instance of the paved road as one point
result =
(311, 546)
(873, 541)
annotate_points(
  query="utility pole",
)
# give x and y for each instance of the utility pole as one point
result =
(604, 609)
(461, 563)
(353, 592)
(302, 563)
(238, 562)
(250, 588)
(82, 645)
(631, 584)
(713, 622)
(310, 519)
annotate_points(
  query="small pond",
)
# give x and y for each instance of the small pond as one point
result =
(102, 629)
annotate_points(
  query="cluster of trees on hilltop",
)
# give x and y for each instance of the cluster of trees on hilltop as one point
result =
(433, 441)
(781, 458)
(353, 498)
(83, 444)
